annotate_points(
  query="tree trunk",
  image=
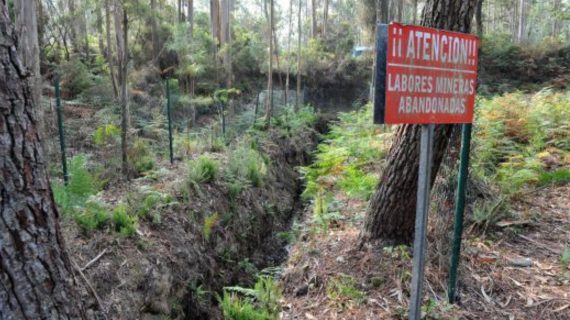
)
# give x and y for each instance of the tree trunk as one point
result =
(415, 12)
(522, 21)
(325, 17)
(154, 32)
(290, 31)
(121, 30)
(99, 26)
(109, 53)
(400, 11)
(392, 210)
(313, 18)
(384, 11)
(269, 102)
(27, 33)
(479, 17)
(36, 278)
(300, 33)
(191, 18)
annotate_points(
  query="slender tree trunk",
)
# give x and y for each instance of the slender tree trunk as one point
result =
(121, 30)
(392, 210)
(313, 18)
(325, 17)
(99, 26)
(109, 53)
(384, 11)
(154, 32)
(400, 11)
(522, 21)
(299, 37)
(415, 12)
(36, 277)
(290, 30)
(269, 102)
(191, 18)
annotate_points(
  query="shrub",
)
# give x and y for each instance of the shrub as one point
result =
(202, 170)
(209, 223)
(124, 223)
(246, 163)
(94, 216)
(141, 156)
(106, 134)
(261, 302)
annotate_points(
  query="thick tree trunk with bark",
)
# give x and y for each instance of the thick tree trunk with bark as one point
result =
(36, 278)
(392, 210)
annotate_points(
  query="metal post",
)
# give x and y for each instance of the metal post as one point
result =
(169, 121)
(459, 209)
(422, 208)
(58, 109)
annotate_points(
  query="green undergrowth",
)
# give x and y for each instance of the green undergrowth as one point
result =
(348, 161)
(262, 302)
(523, 142)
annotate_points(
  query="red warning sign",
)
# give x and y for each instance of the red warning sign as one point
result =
(431, 75)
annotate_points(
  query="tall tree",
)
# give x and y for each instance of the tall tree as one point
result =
(415, 11)
(313, 18)
(36, 278)
(109, 53)
(290, 32)
(269, 102)
(522, 20)
(154, 31)
(299, 37)
(392, 210)
(121, 32)
(27, 33)
(325, 17)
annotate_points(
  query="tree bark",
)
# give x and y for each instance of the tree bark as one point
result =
(392, 210)
(121, 30)
(36, 278)
(415, 12)
(479, 18)
(27, 33)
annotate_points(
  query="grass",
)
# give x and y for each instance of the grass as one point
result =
(247, 164)
(343, 291)
(203, 170)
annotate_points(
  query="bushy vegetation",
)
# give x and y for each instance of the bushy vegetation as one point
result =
(523, 141)
(202, 170)
(343, 291)
(352, 146)
(261, 302)
(247, 165)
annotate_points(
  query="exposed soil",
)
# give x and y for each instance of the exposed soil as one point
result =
(172, 268)
(494, 281)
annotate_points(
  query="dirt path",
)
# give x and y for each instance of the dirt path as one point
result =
(511, 272)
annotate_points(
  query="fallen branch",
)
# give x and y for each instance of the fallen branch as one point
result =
(94, 259)
(93, 292)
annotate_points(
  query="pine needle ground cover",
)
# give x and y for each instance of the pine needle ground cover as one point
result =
(519, 154)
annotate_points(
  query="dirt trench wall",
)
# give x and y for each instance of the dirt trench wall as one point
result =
(172, 269)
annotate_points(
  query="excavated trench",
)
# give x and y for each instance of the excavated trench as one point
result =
(261, 245)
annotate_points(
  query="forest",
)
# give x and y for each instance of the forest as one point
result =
(219, 159)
